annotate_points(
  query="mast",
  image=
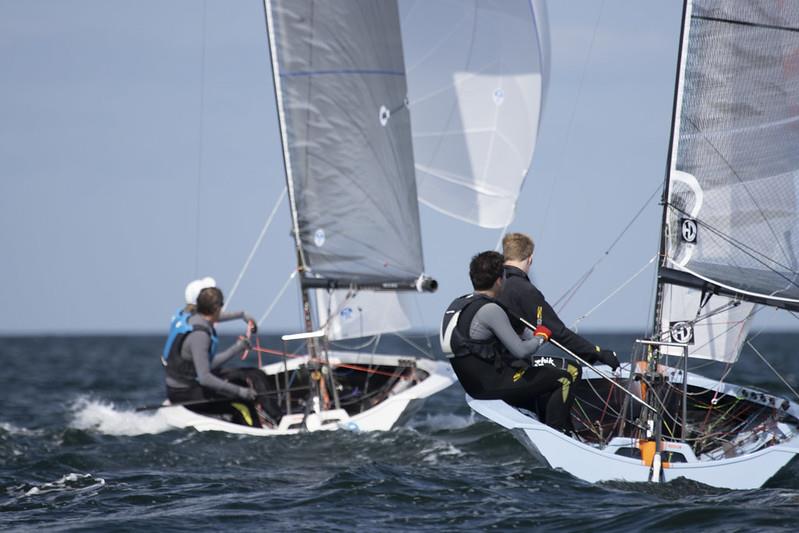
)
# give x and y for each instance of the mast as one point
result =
(671, 158)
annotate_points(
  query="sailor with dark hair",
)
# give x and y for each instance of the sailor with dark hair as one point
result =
(491, 360)
(194, 373)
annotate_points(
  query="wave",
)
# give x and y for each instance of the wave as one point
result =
(104, 417)
(442, 422)
(12, 429)
(69, 482)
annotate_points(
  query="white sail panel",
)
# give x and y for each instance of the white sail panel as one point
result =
(716, 332)
(347, 315)
(476, 75)
(735, 220)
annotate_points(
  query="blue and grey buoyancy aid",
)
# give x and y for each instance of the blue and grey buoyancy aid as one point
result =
(454, 337)
(177, 367)
(180, 324)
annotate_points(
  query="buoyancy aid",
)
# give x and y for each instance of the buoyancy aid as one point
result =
(182, 369)
(179, 324)
(454, 335)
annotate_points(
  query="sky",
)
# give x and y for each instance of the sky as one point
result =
(139, 149)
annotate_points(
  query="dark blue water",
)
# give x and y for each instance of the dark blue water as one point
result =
(74, 455)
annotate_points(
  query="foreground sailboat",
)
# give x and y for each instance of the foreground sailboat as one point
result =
(729, 243)
(341, 93)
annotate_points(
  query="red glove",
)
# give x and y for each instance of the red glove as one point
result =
(542, 331)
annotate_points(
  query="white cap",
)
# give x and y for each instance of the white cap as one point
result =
(194, 288)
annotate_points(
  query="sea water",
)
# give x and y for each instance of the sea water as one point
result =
(76, 455)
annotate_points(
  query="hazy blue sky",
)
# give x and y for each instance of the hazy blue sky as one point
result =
(120, 119)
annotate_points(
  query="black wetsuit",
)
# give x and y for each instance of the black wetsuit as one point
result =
(493, 363)
(523, 299)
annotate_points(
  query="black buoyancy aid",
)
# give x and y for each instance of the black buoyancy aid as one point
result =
(454, 337)
(182, 369)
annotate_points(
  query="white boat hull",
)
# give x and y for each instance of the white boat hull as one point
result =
(590, 463)
(392, 411)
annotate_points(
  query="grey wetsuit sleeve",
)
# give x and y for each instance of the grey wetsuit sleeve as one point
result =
(496, 320)
(198, 345)
(231, 315)
(223, 357)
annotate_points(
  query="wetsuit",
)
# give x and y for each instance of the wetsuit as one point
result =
(198, 376)
(523, 299)
(493, 363)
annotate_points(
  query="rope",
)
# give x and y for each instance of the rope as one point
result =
(773, 369)
(255, 247)
(339, 365)
(279, 295)
(579, 283)
(200, 146)
(612, 294)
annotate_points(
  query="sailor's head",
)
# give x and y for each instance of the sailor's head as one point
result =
(518, 250)
(485, 271)
(210, 302)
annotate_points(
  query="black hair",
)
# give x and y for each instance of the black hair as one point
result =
(209, 301)
(485, 268)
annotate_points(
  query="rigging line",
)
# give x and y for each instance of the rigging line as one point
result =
(410, 342)
(279, 295)
(609, 296)
(749, 343)
(574, 288)
(255, 247)
(200, 145)
(751, 196)
(748, 250)
(573, 113)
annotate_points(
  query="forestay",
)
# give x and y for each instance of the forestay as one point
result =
(477, 74)
(732, 217)
(340, 83)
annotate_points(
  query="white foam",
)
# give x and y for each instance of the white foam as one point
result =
(439, 422)
(17, 430)
(105, 418)
(69, 482)
(438, 450)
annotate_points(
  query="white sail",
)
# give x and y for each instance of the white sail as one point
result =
(714, 331)
(347, 315)
(476, 75)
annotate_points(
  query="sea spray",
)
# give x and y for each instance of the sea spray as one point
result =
(104, 417)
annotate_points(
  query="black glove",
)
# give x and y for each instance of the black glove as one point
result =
(251, 323)
(247, 394)
(607, 357)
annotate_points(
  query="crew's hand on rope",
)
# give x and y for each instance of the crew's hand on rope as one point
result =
(252, 325)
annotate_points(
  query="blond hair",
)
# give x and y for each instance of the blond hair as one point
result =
(517, 246)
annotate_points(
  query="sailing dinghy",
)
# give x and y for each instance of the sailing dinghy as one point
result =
(729, 244)
(340, 87)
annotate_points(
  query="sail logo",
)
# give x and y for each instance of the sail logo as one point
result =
(689, 230)
(346, 313)
(682, 332)
(319, 237)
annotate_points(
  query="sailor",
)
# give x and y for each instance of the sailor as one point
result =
(194, 373)
(491, 360)
(524, 300)
(179, 323)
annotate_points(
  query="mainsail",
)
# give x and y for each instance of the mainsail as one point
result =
(731, 222)
(342, 102)
(477, 74)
